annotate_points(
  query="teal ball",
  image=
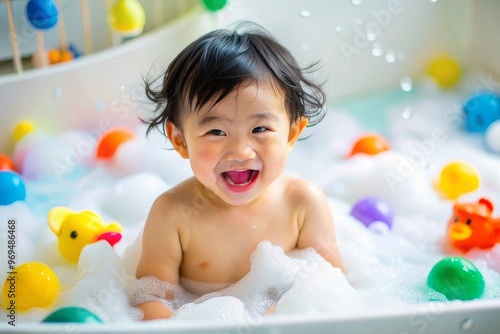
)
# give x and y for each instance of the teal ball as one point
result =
(73, 314)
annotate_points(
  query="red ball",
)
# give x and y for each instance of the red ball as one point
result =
(6, 163)
(111, 140)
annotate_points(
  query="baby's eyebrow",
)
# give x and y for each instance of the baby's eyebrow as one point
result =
(265, 115)
(210, 119)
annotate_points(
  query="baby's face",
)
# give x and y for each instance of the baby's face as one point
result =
(240, 146)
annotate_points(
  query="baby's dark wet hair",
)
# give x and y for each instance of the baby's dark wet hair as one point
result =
(214, 65)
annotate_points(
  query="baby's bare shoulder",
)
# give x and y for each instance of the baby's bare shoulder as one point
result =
(302, 190)
(169, 205)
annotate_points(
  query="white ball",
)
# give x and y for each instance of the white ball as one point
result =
(80, 146)
(49, 159)
(130, 200)
(492, 137)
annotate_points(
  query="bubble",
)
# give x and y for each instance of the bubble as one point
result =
(433, 1)
(390, 56)
(58, 92)
(377, 50)
(406, 84)
(358, 20)
(99, 106)
(356, 2)
(407, 113)
(371, 36)
(338, 28)
(304, 13)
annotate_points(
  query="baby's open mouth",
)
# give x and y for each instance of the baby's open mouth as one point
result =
(240, 177)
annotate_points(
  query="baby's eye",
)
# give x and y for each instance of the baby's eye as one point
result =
(216, 132)
(259, 129)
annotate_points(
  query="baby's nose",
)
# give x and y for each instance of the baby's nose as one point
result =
(240, 150)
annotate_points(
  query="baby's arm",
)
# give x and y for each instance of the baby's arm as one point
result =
(161, 254)
(317, 229)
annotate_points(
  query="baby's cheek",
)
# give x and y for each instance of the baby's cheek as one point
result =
(207, 155)
(204, 162)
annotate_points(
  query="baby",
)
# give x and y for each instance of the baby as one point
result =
(234, 104)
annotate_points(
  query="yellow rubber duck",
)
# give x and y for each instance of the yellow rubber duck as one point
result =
(76, 230)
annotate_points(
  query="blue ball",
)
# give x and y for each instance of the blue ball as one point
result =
(42, 14)
(480, 111)
(12, 188)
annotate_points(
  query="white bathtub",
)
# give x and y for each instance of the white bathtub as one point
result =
(102, 89)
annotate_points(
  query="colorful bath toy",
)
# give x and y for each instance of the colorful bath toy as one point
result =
(42, 14)
(6, 163)
(22, 129)
(458, 178)
(12, 188)
(370, 144)
(32, 284)
(214, 5)
(456, 278)
(111, 140)
(74, 50)
(472, 225)
(372, 210)
(76, 230)
(73, 314)
(481, 111)
(492, 137)
(59, 56)
(445, 71)
(127, 17)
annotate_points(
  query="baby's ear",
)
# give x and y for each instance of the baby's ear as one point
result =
(177, 139)
(295, 131)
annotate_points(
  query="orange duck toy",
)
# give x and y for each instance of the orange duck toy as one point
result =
(473, 226)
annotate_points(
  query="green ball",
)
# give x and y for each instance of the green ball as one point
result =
(214, 5)
(456, 278)
(73, 314)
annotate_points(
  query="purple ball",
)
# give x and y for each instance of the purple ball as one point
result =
(372, 209)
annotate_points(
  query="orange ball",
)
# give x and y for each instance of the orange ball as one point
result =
(111, 140)
(6, 163)
(370, 144)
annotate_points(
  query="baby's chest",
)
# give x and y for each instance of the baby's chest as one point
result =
(220, 252)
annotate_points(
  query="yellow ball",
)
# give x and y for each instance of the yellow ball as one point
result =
(445, 71)
(22, 129)
(458, 178)
(127, 16)
(32, 284)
